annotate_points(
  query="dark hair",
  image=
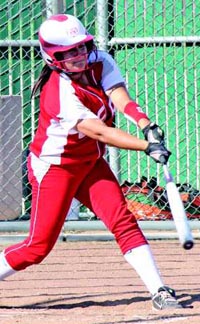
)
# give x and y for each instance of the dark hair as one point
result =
(43, 78)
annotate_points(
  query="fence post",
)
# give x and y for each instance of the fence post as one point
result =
(102, 41)
(54, 7)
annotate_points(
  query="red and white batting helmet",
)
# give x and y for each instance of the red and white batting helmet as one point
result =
(61, 33)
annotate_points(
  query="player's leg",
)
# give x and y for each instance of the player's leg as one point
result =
(102, 194)
(53, 188)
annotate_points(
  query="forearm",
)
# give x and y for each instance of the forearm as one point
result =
(98, 130)
(129, 107)
(134, 113)
(118, 138)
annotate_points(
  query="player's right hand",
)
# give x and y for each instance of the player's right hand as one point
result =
(158, 152)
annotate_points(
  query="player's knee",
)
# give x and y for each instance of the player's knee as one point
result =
(38, 259)
(123, 223)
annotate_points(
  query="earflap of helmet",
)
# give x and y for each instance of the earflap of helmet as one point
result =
(90, 46)
(47, 58)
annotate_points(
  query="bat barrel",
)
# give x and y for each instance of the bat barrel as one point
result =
(178, 212)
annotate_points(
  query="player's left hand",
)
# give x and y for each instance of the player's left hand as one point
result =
(153, 133)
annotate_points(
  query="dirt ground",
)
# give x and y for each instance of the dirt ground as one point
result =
(90, 283)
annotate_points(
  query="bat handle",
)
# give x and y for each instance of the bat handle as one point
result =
(162, 160)
(167, 174)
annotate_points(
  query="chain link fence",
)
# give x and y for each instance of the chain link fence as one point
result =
(156, 45)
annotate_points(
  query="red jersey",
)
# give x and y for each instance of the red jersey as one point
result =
(64, 102)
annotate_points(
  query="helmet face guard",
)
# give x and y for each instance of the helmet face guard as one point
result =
(59, 34)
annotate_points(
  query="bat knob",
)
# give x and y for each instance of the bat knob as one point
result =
(163, 160)
(188, 245)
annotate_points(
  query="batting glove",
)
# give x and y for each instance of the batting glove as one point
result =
(153, 133)
(158, 152)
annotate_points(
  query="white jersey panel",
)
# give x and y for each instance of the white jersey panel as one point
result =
(40, 168)
(71, 108)
(71, 111)
(53, 147)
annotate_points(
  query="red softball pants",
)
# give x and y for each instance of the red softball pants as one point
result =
(53, 188)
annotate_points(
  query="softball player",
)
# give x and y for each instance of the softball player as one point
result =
(80, 88)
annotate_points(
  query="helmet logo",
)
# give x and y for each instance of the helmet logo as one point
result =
(73, 31)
